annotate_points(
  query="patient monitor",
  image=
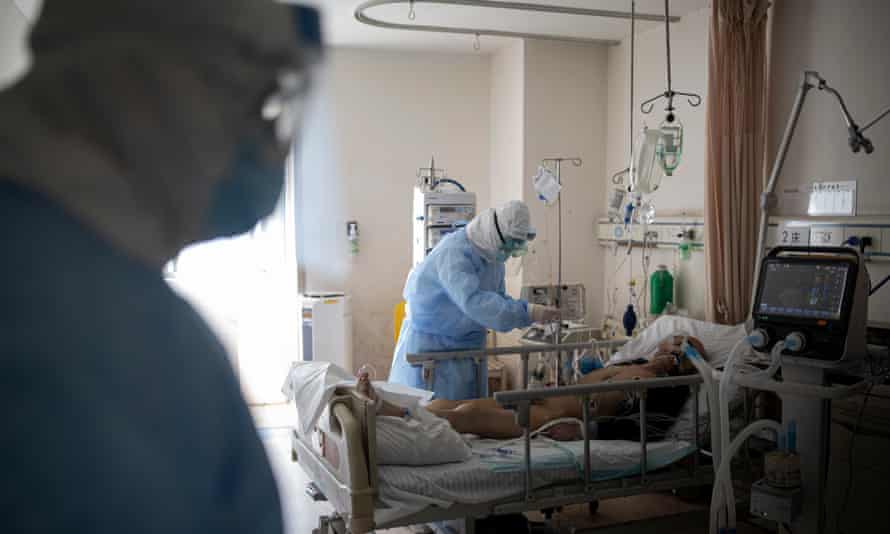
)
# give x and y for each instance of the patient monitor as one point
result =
(816, 299)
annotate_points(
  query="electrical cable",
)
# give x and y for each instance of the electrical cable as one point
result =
(849, 487)
(452, 182)
(875, 289)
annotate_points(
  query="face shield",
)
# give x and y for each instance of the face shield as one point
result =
(256, 178)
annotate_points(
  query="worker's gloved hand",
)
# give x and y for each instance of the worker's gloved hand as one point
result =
(543, 314)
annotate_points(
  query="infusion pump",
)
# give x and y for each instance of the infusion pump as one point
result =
(816, 299)
(437, 214)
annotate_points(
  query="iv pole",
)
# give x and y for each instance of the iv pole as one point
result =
(577, 162)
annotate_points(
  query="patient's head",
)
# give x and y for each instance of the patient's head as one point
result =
(672, 347)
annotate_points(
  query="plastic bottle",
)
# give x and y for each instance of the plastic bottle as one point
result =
(662, 289)
(669, 148)
(629, 321)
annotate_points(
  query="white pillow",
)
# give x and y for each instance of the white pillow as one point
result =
(424, 439)
(718, 341)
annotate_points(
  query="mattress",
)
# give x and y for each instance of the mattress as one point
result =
(497, 471)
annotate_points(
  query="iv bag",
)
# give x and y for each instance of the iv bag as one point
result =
(670, 146)
(646, 213)
(546, 185)
(615, 203)
(645, 176)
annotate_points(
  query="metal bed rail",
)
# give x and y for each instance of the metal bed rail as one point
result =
(428, 360)
(522, 402)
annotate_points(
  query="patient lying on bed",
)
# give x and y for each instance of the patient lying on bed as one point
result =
(485, 418)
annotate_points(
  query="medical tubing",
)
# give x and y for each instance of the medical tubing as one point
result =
(875, 289)
(707, 374)
(725, 466)
(725, 382)
(452, 182)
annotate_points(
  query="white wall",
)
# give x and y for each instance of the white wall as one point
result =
(847, 42)
(507, 127)
(565, 116)
(684, 192)
(391, 111)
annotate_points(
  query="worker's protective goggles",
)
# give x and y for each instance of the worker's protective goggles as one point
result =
(514, 248)
(511, 247)
(286, 104)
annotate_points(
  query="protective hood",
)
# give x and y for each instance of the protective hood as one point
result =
(136, 114)
(491, 227)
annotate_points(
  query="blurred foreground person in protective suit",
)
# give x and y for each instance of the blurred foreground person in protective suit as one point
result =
(141, 127)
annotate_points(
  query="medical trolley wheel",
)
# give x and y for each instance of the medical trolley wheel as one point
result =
(593, 507)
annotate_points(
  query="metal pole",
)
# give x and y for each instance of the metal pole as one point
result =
(525, 371)
(585, 416)
(558, 232)
(558, 331)
(695, 390)
(766, 198)
(633, 11)
(875, 120)
(421, 357)
(429, 368)
(482, 386)
(667, 48)
(523, 417)
(644, 461)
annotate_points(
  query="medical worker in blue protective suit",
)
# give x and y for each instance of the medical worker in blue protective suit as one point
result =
(458, 292)
(142, 126)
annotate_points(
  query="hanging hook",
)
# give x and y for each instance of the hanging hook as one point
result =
(476, 44)
(669, 94)
(647, 106)
(411, 14)
(693, 99)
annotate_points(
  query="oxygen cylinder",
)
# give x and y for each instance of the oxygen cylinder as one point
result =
(661, 285)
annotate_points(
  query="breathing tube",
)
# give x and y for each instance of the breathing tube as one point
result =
(723, 495)
(707, 374)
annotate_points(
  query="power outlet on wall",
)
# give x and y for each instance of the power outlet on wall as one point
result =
(863, 232)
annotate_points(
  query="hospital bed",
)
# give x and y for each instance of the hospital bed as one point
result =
(340, 458)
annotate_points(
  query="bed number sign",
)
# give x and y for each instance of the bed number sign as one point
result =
(793, 235)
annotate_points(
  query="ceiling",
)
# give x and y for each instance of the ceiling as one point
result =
(342, 29)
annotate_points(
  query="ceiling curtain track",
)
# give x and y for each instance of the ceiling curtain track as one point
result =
(364, 18)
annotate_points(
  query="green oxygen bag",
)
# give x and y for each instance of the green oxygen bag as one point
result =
(661, 285)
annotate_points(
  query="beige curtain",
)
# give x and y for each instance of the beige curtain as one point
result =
(736, 128)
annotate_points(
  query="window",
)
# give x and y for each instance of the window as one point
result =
(246, 289)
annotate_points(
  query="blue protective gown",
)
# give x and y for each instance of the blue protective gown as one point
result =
(453, 296)
(121, 410)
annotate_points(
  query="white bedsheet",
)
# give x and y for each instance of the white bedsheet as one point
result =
(311, 385)
(490, 476)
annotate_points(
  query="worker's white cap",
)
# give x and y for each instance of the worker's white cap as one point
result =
(514, 220)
